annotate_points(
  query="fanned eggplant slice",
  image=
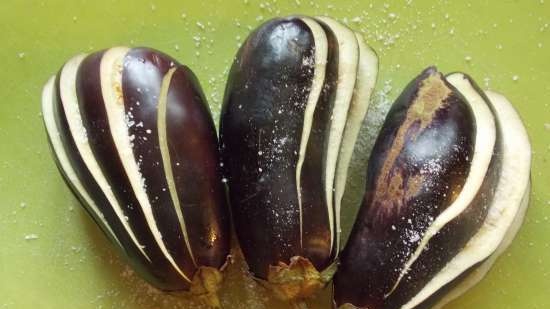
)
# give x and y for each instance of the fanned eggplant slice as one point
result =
(134, 139)
(479, 272)
(343, 42)
(440, 197)
(286, 138)
(506, 210)
(367, 74)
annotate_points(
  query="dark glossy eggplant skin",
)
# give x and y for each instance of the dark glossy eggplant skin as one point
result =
(416, 169)
(192, 149)
(142, 77)
(260, 133)
(197, 170)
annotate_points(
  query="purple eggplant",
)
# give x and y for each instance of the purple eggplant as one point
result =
(437, 201)
(133, 137)
(296, 96)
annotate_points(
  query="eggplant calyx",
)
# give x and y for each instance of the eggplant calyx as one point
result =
(297, 280)
(205, 285)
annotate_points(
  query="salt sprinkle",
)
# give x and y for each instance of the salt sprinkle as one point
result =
(31, 237)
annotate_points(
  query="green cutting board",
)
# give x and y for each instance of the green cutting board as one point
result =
(53, 256)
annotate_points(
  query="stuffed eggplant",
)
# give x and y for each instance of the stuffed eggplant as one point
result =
(133, 137)
(447, 188)
(295, 99)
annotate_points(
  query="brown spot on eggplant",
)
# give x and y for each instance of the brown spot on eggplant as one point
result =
(197, 173)
(94, 117)
(417, 168)
(260, 132)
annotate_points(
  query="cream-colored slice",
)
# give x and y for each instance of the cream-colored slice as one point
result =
(48, 101)
(367, 73)
(319, 69)
(482, 270)
(348, 59)
(69, 100)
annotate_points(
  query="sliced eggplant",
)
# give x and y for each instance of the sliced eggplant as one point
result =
(473, 276)
(419, 167)
(506, 211)
(135, 141)
(364, 85)
(286, 136)
(439, 195)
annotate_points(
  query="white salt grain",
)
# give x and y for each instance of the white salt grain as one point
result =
(31, 237)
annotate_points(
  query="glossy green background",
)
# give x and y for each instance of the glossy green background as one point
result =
(69, 264)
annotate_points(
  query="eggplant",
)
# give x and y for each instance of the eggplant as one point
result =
(445, 193)
(506, 211)
(133, 137)
(296, 96)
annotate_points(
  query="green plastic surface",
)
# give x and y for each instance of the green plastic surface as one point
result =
(53, 256)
